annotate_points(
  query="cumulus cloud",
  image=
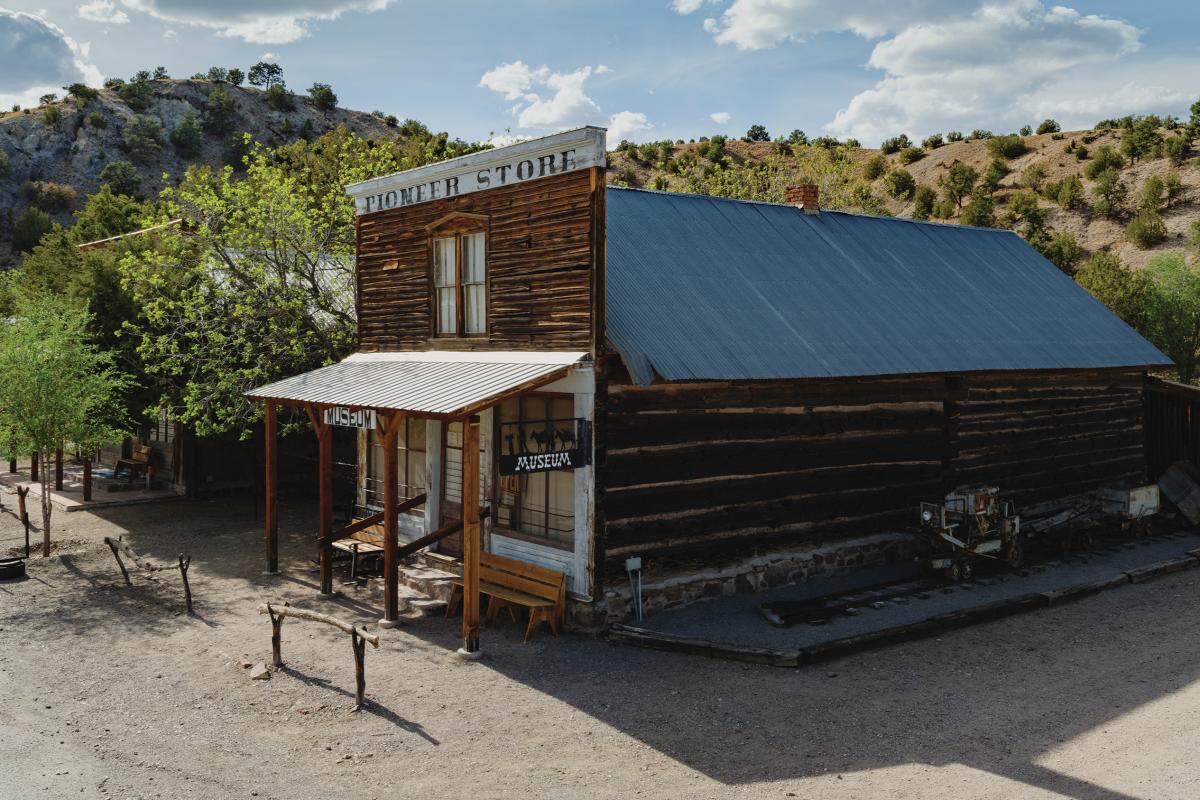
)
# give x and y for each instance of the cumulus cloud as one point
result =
(37, 57)
(102, 11)
(255, 21)
(547, 100)
(689, 6)
(755, 24)
(720, 117)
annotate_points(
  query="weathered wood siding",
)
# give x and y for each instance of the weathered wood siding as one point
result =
(1172, 425)
(696, 472)
(541, 267)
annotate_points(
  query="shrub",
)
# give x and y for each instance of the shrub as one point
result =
(1033, 176)
(4, 165)
(82, 92)
(895, 144)
(908, 155)
(1026, 130)
(1177, 148)
(114, 83)
(390, 120)
(1009, 146)
(1173, 186)
(1109, 194)
(220, 112)
(97, 120)
(187, 136)
(797, 137)
(237, 148)
(278, 97)
(1124, 291)
(160, 74)
(1025, 211)
(323, 97)
(235, 76)
(138, 93)
(1153, 194)
(49, 196)
(954, 136)
(943, 209)
(1070, 193)
(1146, 229)
(143, 136)
(923, 200)
(980, 133)
(1063, 251)
(1048, 126)
(122, 177)
(217, 74)
(980, 211)
(900, 184)
(1105, 159)
(29, 229)
(52, 117)
(958, 182)
(933, 141)
(1081, 153)
(875, 167)
(757, 133)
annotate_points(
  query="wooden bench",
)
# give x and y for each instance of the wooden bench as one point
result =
(367, 541)
(509, 583)
(138, 463)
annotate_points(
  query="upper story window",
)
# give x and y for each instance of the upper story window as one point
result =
(460, 285)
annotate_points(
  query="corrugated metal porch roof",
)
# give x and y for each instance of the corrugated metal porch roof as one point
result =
(434, 383)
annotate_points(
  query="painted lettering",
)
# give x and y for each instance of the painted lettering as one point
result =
(503, 169)
(568, 160)
(389, 200)
(370, 202)
(546, 166)
(451, 186)
(482, 178)
(406, 196)
(419, 189)
(433, 190)
(525, 170)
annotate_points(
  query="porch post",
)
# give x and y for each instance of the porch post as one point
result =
(325, 481)
(391, 576)
(271, 483)
(58, 469)
(471, 538)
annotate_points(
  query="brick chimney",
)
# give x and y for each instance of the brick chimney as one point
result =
(806, 197)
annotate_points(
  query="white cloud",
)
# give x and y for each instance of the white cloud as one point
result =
(102, 11)
(255, 21)
(755, 24)
(720, 117)
(547, 100)
(689, 6)
(269, 56)
(37, 57)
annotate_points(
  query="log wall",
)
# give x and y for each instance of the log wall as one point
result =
(696, 473)
(543, 267)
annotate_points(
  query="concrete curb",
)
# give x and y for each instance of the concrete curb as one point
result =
(986, 612)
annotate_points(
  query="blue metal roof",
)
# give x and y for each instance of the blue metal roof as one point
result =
(705, 288)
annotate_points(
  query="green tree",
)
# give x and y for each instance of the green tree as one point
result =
(323, 97)
(980, 211)
(220, 112)
(757, 133)
(137, 93)
(910, 155)
(235, 77)
(1071, 193)
(900, 184)
(1142, 141)
(266, 75)
(797, 137)
(1009, 146)
(1172, 187)
(143, 136)
(1027, 216)
(1048, 126)
(895, 144)
(875, 167)
(1105, 159)
(1146, 229)
(1109, 194)
(122, 177)
(933, 141)
(187, 136)
(1153, 194)
(923, 200)
(996, 172)
(29, 229)
(958, 182)
(52, 117)
(954, 136)
(1062, 250)
(217, 74)
(160, 74)
(82, 92)
(1173, 311)
(56, 387)
(278, 97)
(1124, 291)
(1033, 176)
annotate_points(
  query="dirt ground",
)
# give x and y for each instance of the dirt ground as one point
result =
(111, 692)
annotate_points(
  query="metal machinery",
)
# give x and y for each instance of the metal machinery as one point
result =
(1133, 506)
(972, 522)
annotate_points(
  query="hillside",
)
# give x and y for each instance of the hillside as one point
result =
(760, 170)
(90, 135)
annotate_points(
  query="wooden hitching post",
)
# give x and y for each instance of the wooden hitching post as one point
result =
(471, 538)
(117, 555)
(360, 676)
(276, 636)
(184, 563)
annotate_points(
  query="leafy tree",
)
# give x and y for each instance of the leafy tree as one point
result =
(933, 141)
(797, 137)
(114, 83)
(1173, 186)
(909, 155)
(923, 200)
(1026, 130)
(954, 136)
(187, 136)
(895, 144)
(1109, 194)
(1177, 148)
(82, 92)
(138, 94)
(1146, 229)
(122, 177)
(1063, 251)
(235, 77)
(1009, 146)
(1025, 213)
(980, 211)
(323, 97)
(1124, 291)
(29, 229)
(278, 97)
(217, 74)
(160, 74)
(943, 209)
(47, 99)
(958, 182)
(52, 116)
(900, 184)
(56, 387)
(1048, 126)
(1143, 140)
(97, 120)
(266, 75)
(143, 137)
(874, 168)
(1105, 159)
(1070, 193)
(220, 112)
(757, 133)
(236, 148)
(1033, 176)
(996, 172)
(1173, 311)
(1153, 194)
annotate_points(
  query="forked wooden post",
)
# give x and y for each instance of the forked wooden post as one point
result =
(184, 563)
(112, 545)
(271, 484)
(471, 538)
(360, 673)
(276, 636)
(358, 640)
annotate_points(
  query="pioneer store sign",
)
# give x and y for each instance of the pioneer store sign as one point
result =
(525, 161)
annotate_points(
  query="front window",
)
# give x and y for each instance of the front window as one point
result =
(539, 505)
(460, 285)
(410, 464)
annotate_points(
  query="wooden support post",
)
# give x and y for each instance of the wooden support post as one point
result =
(325, 481)
(391, 569)
(272, 488)
(33, 467)
(87, 480)
(58, 470)
(184, 563)
(12, 465)
(360, 676)
(471, 538)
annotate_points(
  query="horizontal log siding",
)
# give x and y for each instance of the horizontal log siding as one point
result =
(540, 252)
(699, 472)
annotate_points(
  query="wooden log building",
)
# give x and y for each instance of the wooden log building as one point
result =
(741, 394)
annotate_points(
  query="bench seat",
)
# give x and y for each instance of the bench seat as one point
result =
(512, 584)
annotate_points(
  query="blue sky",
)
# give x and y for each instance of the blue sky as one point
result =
(648, 69)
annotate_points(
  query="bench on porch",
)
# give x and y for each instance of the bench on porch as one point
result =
(509, 583)
(139, 462)
(365, 541)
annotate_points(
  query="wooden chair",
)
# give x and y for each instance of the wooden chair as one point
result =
(368, 541)
(509, 584)
(138, 463)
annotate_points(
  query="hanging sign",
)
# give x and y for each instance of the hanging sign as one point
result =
(544, 445)
(347, 418)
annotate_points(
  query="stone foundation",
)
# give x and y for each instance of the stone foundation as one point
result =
(747, 576)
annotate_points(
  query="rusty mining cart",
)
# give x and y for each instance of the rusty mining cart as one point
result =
(971, 523)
